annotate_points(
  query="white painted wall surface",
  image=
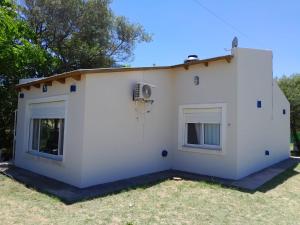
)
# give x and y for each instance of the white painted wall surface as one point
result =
(217, 85)
(69, 169)
(259, 129)
(121, 139)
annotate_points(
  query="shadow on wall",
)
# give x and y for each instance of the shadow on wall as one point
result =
(69, 194)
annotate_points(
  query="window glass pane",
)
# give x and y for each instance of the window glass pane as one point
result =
(61, 139)
(49, 135)
(212, 134)
(194, 133)
(35, 134)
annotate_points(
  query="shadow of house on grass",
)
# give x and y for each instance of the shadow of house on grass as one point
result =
(69, 194)
(279, 179)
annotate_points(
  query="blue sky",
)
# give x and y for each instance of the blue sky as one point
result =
(183, 27)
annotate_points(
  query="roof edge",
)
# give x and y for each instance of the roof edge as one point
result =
(76, 74)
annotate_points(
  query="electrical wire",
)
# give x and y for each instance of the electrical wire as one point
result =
(211, 12)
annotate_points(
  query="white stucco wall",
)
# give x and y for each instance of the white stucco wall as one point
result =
(121, 139)
(217, 85)
(117, 145)
(69, 169)
(259, 129)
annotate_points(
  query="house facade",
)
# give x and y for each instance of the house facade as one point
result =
(223, 117)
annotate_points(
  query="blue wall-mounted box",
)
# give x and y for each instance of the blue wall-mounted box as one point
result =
(73, 88)
(164, 153)
(258, 104)
(45, 88)
(267, 152)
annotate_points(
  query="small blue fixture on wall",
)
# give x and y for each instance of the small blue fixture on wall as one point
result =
(21, 95)
(258, 104)
(283, 112)
(267, 152)
(45, 88)
(164, 153)
(196, 80)
(73, 88)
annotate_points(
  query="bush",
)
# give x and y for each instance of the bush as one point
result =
(292, 138)
(5, 154)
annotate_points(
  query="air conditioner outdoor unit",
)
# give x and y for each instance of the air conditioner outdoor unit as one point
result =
(143, 92)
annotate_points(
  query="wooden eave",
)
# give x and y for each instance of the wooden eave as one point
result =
(76, 74)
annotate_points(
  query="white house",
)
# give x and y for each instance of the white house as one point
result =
(222, 116)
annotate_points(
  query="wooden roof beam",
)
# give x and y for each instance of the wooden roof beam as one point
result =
(61, 80)
(36, 85)
(228, 59)
(186, 66)
(49, 83)
(77, 77)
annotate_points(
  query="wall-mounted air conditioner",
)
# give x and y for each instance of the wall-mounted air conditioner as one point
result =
(143, 92)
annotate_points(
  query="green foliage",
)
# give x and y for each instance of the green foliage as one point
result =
(292, 138)
(51, 36)
(82, 33)
(291, 88)
(19, 58)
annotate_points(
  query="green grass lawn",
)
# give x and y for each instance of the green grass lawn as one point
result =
(168, 202)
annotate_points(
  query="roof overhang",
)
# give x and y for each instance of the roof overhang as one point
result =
(76, 74)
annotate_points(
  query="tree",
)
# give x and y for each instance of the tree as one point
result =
(44, 37)
(82, 33)
(291, 88)
(19, 58)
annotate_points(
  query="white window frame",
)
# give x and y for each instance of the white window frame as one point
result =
(28, 126)
(37, 151)
(203, 148)
(202, 145)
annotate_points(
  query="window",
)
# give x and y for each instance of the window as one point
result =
(212, 134)
(47, 136)
(202, 128)
(194, 133)
(203, 134)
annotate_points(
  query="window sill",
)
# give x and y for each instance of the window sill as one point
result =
(203, 149)
(46, 156)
